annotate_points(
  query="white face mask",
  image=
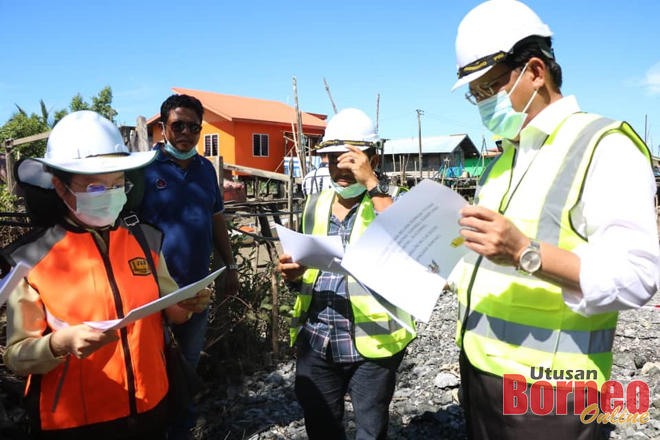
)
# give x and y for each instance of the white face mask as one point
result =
(99, 209)
(348, 192)
(499, 116)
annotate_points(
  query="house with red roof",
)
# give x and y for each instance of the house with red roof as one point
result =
(251, 132)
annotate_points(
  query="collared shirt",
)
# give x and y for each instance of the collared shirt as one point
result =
(317, 180)
(182, 203)
(620, 265)
(329, 328)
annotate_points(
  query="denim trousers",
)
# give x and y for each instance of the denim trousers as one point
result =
(321, 385)
(190, 336)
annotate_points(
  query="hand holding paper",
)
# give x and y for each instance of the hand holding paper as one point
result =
(314, 251)
(175, 297)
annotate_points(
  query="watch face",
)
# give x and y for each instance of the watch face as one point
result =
(530, 261)
(383, 187)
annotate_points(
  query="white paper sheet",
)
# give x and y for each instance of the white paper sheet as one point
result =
(155, 306)
(409, 250)
(11, 280)
(312, 251)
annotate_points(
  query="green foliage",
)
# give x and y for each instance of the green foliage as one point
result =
(20, 124)
(101, 103)
(250, 316)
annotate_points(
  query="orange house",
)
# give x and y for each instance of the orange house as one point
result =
(250, 132)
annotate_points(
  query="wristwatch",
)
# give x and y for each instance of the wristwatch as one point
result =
(530, 259)
(382, 189)
(232, 266)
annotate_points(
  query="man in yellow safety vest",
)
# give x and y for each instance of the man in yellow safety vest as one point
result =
(559, 246)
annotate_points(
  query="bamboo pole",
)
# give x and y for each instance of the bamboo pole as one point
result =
(301, 145)
(332, 101)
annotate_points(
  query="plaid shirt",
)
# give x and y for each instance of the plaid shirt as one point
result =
(329, 328)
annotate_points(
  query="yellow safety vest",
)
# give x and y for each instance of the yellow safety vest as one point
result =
(376, 334)
(509, 322)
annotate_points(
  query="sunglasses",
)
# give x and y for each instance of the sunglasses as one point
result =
(485, 90)
(179, 126)
(100, 187)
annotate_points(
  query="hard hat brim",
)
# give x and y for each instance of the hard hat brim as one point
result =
(100, 164)
(338, 149)
(471, 77)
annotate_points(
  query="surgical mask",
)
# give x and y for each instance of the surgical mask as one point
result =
(99, 209)
(498, 114)
(348, 192)
(178, 154)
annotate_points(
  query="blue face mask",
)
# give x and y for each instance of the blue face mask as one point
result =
(348, 192)
(169, 148)
(499, 116)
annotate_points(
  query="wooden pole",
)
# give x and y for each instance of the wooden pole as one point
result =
(419, 131)
(377, 110)
(289, 201)
(142, 134)
(221, 176)
(9, 162)
(332, 101)
(301, 145)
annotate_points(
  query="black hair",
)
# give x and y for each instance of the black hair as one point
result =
(64, 176)
(180, 101)
(538, 47)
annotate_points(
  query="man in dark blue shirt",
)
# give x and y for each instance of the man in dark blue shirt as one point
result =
(183, 199)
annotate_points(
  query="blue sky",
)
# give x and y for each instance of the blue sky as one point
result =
(609, 51)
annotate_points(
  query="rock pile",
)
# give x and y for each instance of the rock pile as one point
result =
(425, 404)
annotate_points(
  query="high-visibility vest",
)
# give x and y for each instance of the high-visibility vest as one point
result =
(78, 282)
(510, 322)
(376, 334)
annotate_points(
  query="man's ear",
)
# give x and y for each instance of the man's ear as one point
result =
(539, 71)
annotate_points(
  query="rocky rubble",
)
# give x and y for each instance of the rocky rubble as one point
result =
(425, 404)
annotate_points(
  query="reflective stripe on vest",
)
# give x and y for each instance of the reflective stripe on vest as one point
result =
(376, 333)
(551, 341)
(516, 321)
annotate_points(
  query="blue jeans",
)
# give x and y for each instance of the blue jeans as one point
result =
(321, 385)
(190, 336)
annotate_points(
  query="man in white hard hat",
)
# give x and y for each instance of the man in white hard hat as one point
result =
(89, 264)
(345, 339)
(559, 246)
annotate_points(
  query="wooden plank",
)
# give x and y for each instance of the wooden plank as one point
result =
(256, 172)
(35, 137)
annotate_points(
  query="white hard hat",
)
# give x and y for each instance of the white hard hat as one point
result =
(489, 32)
(349, 127)
(83, 142)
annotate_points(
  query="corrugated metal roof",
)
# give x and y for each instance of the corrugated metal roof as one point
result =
(434, 144)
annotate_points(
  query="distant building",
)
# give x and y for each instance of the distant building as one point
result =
(250, 132)
(452, 155)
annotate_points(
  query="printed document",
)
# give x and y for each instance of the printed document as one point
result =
(313, 251)
(409, 250)
(155, 306)
(11, 280)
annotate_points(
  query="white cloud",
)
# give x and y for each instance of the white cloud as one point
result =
(652, 79)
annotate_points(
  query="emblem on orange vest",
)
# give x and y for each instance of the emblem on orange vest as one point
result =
(139, 266)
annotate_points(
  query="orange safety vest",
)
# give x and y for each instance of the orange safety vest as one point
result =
(77, 282)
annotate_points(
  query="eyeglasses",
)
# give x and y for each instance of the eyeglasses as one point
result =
(179, 126)
(100, 187)
(485, 90)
